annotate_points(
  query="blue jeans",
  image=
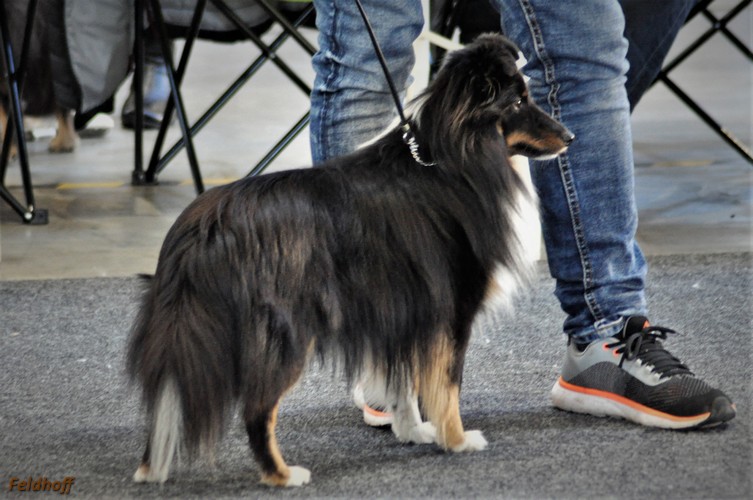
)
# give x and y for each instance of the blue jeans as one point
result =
(350, 100)
(577, 55)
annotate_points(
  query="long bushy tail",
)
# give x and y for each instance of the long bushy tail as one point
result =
(179, 356)
(166, 436)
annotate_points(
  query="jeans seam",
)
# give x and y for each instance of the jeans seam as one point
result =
(325, 108)
(562, 161)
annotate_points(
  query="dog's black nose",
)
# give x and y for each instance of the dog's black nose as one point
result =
(568, 138)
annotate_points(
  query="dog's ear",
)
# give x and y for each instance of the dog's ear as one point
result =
(499, 52)
(514, 52)
(491, 62)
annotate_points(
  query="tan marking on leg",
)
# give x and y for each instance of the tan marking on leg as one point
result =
(451, 433)
(142, 474)
(282, 474)
(440, 396)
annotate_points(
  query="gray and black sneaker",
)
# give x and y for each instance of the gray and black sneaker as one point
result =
(631, 376)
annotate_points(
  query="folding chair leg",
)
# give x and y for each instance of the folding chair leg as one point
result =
(290, 28)
(157, 163)
(722, 26)
(725, 134)
(138, 177)
(29, 213)
(267, 50)
(149, 176)
(718, 26)
(282, 144)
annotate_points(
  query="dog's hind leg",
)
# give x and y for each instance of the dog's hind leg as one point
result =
(398, 401)
(440, 397)
(143, 474)
(277, 357)
(261, 436)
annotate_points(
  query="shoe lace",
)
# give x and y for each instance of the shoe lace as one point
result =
(646, 346)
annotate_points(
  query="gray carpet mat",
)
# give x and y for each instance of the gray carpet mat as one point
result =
(67, 411)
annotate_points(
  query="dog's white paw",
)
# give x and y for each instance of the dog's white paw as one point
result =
(298, 476)
(421, 433)
(144, 474)
(474, 441)
(425, 432)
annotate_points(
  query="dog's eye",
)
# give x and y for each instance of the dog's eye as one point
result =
(516, 105)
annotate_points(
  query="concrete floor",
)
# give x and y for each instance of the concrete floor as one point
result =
(694, 192)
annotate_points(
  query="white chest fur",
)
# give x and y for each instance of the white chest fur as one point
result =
(524, 242)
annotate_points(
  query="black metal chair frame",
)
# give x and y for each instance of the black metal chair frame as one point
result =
(175, 104)
(29, 213)
(718, 25)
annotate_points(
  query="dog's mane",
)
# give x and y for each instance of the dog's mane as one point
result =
(456, 122)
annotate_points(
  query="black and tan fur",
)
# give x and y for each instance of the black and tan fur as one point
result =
(370, 259)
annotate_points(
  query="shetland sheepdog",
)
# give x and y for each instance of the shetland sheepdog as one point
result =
(374, 259)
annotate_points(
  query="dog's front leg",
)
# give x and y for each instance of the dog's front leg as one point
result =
(399, 402)
(440, 395)
(407, 424)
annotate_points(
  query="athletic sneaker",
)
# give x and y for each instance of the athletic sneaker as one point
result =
(372, 416)
(631, 376)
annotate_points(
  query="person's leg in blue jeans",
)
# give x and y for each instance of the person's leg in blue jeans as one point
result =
(577, 59)
(576, 62)
(350, 100)
(576, 56)
(578, 66)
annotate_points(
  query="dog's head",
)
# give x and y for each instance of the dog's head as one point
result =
(479, 93)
